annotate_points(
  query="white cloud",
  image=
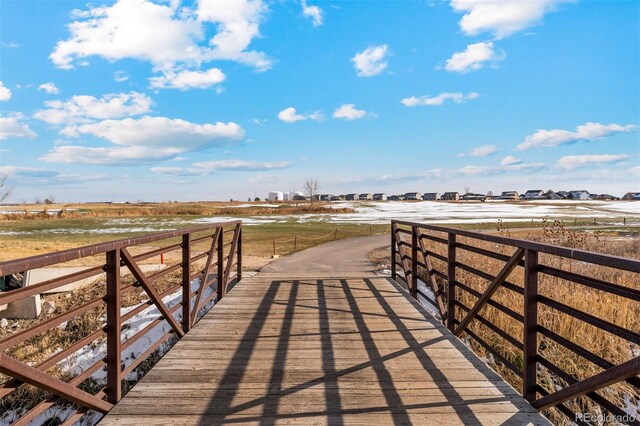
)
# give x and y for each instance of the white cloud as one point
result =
(5, 93)
(50, 88)
(480, 151)
(587, 132)
(474, 57)
(26, 172)
(172, 38)
(290, 115)
(371, 61)
(313, 12)
(210, 167)
(349, 112)
(635, 171)
(11, 127)
(188, 79)
(575, 161)
(510, 160)
(82, 108)
(501, 17)
(144, 139)
(440, 99)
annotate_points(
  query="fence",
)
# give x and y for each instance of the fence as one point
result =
(107, 324)
(529, 312)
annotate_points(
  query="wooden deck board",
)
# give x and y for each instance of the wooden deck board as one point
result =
(320, 351)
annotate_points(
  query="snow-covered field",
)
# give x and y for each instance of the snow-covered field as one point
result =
(372, 212)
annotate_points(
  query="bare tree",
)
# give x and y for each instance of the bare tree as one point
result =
(467, 189)
(312, 186)
(5, 190)
(489, 193)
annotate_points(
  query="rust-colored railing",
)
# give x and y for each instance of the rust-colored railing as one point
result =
(518, 313)
(173, 299)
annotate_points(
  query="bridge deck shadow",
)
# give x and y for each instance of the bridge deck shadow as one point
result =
(321, 351)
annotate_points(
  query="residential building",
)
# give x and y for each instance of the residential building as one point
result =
(431, 196)
(551, 195)
(365, 197)
(578, 195)
(335, 198)
(395, 198)
(275, 196)
(631, 196)
(450, 196)
(509, 195)
(352, 197)
(380, 196)
(413, 196)
(533, 194)
(469, 196)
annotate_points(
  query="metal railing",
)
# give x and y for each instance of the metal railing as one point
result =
(196, 280)
(529, 277)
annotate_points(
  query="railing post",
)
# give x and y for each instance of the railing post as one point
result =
(239, 253)
(451, 280)
(393, 251)
(530, 338)
(414, 262)
(186, 282)
(219, 248)
(114, 325)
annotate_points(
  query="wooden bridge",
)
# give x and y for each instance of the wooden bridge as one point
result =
(348, 347)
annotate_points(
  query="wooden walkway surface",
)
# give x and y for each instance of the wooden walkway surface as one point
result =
(321, 351)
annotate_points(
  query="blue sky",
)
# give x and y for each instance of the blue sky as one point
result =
(218, 99)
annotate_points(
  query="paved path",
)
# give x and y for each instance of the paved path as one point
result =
(334, 259)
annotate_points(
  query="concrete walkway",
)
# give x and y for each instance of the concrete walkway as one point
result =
(334, 259)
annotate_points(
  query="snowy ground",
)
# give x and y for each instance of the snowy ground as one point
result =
(611, 213)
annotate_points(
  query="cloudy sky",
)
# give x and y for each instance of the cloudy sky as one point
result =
(218, 99)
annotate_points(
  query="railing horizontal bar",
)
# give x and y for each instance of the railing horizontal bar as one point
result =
(200, 256)
(516, 316)
(595, 283)
(143, 356)
(40, 261)
(403, 231)
(432, 238)
(592, 320)
(28, 333)
(487, 253)
(581, 351)
(585, 256)
(439, 274)
(482, 274)
(21, 293)
(500, 332)
(427, 298)
(156, 252)
(154, 276)
(201, 239)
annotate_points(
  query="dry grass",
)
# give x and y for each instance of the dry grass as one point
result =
(618, 310)
(71, 211)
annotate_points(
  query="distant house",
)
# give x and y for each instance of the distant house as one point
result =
(413, 196)
(631, 196)
(450, 196)
(325, 197)
(578, 195)
(509, 195)
(380, 196)
(335, 198)
(395, 198)
(431, 196)
(298, 197)
(365, 197)
(533, 194)
(352, 197)
(469, 196)
(551, 195)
